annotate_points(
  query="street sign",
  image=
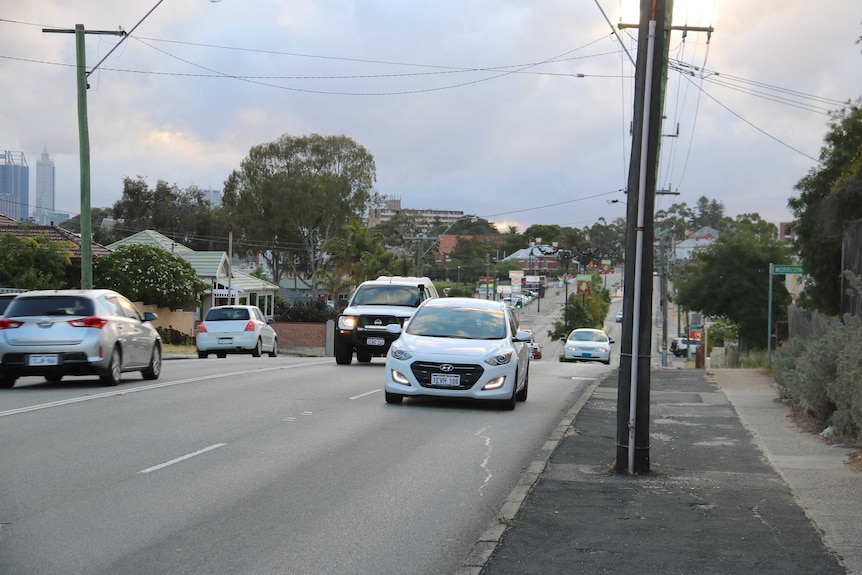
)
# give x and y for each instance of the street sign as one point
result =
(786, 270)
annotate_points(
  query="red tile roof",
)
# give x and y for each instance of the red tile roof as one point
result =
(55, 234)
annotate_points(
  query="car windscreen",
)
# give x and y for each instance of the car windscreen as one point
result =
(464, 323)
(587, 336)
(387, 295)
(227, 314)
(50, 305)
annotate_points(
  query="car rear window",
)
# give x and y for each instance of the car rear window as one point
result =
(50, 305)
(227, 314)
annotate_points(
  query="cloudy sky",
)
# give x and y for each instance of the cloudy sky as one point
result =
(514, 110)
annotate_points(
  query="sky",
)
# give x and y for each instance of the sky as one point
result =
(517, 111)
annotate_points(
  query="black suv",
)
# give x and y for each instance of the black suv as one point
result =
(372, 306)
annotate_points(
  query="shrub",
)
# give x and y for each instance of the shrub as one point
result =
(175, 337)
(311, 311)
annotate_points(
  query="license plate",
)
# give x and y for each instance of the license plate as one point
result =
(42, 359)
(375, 341)
(445, 379)
(585, 354)
(225, 340)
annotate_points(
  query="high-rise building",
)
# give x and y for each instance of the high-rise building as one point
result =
(14, 185)
(44, 188)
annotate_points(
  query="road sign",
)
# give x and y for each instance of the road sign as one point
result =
(786, 270)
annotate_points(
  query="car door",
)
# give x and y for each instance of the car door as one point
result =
(137, 339)
(522, 348)
(267, 334)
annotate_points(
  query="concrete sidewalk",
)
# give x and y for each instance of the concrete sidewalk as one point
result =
(734, 487)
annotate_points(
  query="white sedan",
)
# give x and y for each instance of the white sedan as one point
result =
(460, 348)
(585, 344)
(236, 329)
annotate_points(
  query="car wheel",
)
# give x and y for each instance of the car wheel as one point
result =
(274, 352)
(522, 395)
(343, 352)
(256, 350)
(363, 356)
(393, 398)
(7, 381)
(221, 355)
(509, 404)
(202, 354)
(608, 362)
(115, 366)
(155, 368)
(53, 378)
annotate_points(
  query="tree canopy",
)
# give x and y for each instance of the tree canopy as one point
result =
(830, 195)
(294, 194)
(33, 263)
(730, 279)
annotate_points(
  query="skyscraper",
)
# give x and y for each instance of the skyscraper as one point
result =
(45, 180)
(14, 185)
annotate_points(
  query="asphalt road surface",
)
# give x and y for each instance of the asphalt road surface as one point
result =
(267, 465)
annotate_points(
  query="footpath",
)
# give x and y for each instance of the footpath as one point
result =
(734, 487)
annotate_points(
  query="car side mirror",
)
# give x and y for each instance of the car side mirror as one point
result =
(393, 328)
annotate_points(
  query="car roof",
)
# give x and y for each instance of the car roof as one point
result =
(475, 303)
(67, 292)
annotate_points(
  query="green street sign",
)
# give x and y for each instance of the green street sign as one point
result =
(786, 270)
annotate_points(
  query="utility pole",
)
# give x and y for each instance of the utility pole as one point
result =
(84, 147)
(633, 392)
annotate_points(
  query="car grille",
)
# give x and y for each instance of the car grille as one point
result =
(377, 323)
(470, 373)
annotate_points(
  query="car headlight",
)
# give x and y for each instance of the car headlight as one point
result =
(346, 322)
(499, 358)
(398, 352)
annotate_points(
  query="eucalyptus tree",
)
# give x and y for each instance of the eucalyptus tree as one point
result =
(295, 193)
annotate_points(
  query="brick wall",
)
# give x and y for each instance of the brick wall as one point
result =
(300, 334)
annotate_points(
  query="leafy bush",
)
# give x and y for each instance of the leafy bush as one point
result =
(175, 337)
(821, 376)
(310, 311)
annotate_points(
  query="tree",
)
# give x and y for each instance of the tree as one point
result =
(606, 241)
(151, 275)
(295, 193)
(830, 195)
(731, 279)
(33, 263)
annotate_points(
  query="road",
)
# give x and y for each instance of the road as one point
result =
(267, 465)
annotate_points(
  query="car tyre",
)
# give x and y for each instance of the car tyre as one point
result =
(7, 381)
(221, 355)
(393, 398)
(256, 350)
(274, 352)
(509, 404)
(202, 354)
(363, 356)
(343, 352)
(112, 376)
(53, 378)
(522, 394)
(154, 369)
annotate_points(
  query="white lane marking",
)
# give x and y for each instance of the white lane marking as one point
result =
(183, 458)
(121, 392)
(486, 460)
(361, 395)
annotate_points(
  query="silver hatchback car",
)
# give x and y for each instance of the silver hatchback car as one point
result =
(54, 333)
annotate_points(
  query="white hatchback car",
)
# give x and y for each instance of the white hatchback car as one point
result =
(460, 348)
(236, 329)
(585, 344)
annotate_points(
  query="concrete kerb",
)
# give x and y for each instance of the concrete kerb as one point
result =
(484, 547)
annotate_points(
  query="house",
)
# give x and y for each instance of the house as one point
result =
(56, 234)
(213, 267)
(702, 238)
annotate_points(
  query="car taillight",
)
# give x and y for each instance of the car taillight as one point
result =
(249, 326)
(92, 321)
(202, 328)
(10, 324)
